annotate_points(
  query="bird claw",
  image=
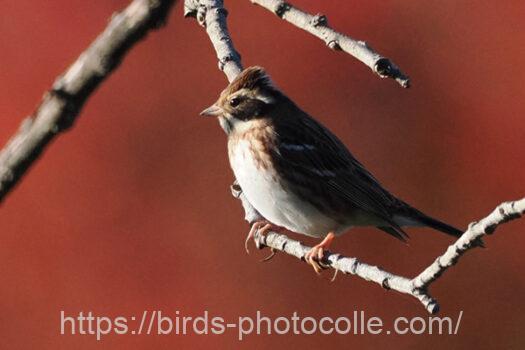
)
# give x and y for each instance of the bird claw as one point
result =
(250, 235)
(260, 227)
(269, 257)
(335, 275)
(315, 256)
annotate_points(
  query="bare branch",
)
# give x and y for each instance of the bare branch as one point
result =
(211, 14)
(61, 105)
(317, 25)
(503, 213)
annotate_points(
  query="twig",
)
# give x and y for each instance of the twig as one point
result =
(503, 213)
(60, 105)
(317, 25)
(211, 14)
(417, 286)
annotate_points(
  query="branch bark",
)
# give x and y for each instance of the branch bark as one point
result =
(317, 25)
(211, 15)
(61, 105)
(215, 24)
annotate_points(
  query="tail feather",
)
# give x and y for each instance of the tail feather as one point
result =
(421, 219)
(407, 215)
(439, 225)
(395, 231)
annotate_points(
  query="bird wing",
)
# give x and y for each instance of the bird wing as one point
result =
(313, 159)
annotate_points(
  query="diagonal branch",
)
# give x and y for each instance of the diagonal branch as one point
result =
(503, 213)
(417, 286)
(211, 14)
(61, 105)
(317, 25)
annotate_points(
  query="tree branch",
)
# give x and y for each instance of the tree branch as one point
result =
(60, 105)
(317, 25)
(211, 14)
(215, 24)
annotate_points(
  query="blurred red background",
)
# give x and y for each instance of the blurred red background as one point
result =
(131, 209)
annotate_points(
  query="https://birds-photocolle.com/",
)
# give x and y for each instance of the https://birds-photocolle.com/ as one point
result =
(297, 174)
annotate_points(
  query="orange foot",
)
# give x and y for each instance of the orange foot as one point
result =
(316, 254)
(263, 227)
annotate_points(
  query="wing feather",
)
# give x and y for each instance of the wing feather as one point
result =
(309, 153)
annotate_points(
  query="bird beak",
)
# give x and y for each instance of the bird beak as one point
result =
(212, 111)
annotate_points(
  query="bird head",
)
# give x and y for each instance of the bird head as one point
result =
(249, 96)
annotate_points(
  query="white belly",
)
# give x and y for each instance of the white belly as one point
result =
(278, 206)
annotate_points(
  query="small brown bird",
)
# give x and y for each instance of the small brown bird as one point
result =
(297, 174)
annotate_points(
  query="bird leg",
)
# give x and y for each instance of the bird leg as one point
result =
(316, 254)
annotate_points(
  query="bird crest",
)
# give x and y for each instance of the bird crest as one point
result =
(251, 78)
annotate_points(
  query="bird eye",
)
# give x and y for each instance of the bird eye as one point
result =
(234, 102)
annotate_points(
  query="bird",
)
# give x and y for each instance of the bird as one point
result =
(298, 175)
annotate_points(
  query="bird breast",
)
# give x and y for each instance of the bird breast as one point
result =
(267, 191)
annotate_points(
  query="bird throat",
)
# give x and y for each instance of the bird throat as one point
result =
(226, 125)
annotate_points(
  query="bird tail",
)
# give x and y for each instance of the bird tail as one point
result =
(417, 218)
(439, 225)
